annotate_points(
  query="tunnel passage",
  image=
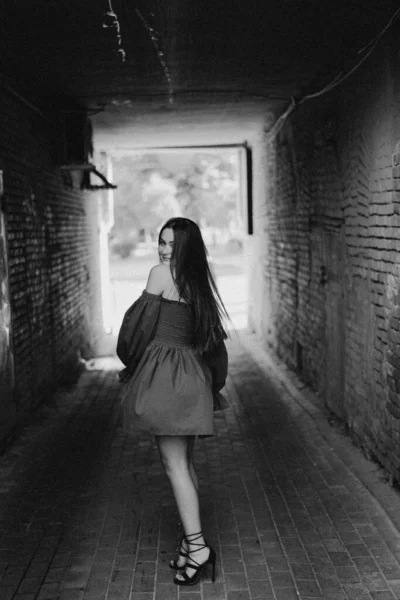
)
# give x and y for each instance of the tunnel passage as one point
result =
(316, 105)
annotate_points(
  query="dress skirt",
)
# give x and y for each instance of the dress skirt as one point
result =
(170, 391)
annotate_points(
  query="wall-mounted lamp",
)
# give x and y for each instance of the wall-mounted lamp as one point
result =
(87, 170)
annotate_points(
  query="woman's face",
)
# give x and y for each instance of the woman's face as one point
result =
(165, 245)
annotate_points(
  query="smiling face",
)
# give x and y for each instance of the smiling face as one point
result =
(165, 245)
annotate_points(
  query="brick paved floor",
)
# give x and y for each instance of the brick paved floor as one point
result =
(87, 513)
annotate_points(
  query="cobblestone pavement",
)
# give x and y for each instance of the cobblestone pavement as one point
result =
(292, 507)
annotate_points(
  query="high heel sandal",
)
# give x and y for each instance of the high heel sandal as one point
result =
(173, 564)
(193, 564)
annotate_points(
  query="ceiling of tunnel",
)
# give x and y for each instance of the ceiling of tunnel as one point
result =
(155, 72)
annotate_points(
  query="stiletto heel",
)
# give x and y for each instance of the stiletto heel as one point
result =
(212, 559)
(193, 564)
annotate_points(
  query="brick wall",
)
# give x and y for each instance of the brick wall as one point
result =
(328, 229)
(48, 250)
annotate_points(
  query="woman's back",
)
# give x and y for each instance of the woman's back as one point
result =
(175, 324)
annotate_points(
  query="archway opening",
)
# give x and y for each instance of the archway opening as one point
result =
(209, 184)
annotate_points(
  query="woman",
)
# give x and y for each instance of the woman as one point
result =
(172, 343)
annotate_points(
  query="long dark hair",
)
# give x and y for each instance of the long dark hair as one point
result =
(195, 282)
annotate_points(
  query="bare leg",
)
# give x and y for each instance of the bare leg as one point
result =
(193, 473)
(183, 547)
(174, 454)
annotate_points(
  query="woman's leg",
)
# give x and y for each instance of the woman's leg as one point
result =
(191, 441)
(182, 545)
(174, 454)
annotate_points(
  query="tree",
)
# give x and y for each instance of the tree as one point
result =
(208, 189)
(203, 186)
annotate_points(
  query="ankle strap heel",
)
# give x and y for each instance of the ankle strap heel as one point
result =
(193, 564)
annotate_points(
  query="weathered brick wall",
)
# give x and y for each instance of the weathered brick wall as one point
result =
(374, 247)
(330, 229)
(48, 249)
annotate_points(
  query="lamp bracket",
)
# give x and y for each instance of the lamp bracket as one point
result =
(87, 169)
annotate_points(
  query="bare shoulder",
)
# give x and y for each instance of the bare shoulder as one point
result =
(159, 278)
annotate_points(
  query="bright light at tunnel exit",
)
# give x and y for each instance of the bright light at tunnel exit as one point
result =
(151, 187)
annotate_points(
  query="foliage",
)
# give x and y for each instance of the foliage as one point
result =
(207, 190)
(154, 187)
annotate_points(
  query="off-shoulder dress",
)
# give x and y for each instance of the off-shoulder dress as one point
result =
(169, 388)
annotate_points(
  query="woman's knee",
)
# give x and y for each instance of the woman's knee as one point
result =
(174, 466)
(173, 458)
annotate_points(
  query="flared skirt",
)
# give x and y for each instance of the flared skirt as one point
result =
(169, 393)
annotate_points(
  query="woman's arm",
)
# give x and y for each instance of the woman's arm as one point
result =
(137, 330)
